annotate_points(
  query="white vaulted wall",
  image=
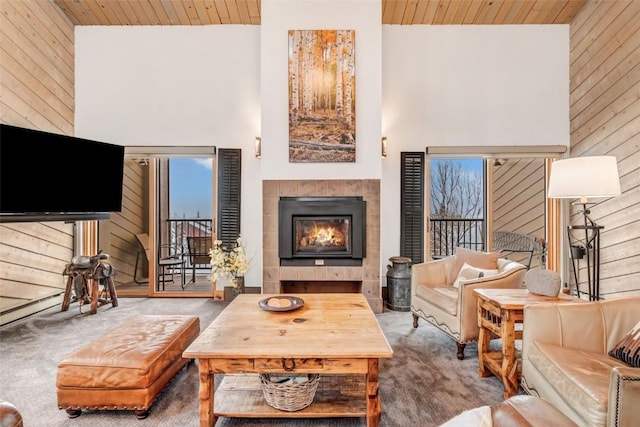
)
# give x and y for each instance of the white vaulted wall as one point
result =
(468, 86)
(417, 85)
(168, 86)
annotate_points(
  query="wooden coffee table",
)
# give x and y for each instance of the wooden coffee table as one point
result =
(332, 335)
(499, 310)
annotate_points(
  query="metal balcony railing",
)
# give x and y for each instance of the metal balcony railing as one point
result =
(180, 229)
(447, 234)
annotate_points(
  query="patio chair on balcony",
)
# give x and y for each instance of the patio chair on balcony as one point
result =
(508, 242)
(171, 262)
(198, 248)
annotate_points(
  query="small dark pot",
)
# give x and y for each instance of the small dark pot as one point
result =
(577, 252)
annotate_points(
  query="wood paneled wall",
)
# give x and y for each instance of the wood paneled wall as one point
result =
(37, 47)
(37, 92)
(605, 120)
(519, 200)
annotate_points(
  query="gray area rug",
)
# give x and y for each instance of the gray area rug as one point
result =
(422, 385)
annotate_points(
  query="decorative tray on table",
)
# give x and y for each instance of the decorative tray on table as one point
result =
(280, 303)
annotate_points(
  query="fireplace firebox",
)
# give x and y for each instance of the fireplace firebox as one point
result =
(322, 230)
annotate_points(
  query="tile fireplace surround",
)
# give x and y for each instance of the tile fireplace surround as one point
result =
(367, 275)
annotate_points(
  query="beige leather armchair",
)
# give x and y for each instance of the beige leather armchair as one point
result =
(565, 360)
(454, 310)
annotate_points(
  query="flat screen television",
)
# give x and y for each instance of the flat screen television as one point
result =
(50, 177)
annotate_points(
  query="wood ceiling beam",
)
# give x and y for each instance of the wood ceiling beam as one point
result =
(247, 12)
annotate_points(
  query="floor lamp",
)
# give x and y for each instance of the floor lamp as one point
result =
(585, 178)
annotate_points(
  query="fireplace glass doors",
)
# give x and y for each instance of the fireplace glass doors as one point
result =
(322, 230)
(321, 235)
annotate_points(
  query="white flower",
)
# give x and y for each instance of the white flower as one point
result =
(231, 262)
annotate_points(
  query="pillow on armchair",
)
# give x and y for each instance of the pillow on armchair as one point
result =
(468, 272)
(484, 260)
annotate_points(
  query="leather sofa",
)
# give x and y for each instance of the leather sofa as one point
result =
(9, 415)
(452, 309)
(565, 360)
(516, 411)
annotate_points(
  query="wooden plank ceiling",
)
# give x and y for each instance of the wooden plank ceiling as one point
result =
(395, 12)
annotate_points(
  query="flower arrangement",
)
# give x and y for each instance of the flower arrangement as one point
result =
(229, 262)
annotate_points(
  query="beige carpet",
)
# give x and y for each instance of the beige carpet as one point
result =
(422, 385)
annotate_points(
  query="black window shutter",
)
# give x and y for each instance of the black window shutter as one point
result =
(229, 184)
(412, 206)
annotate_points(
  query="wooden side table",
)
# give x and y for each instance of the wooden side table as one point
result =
(499, 310)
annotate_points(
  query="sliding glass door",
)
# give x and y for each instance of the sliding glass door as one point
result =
(456, 205)
(518, 205)
(470, 198)
(168, 200)
(185, 222)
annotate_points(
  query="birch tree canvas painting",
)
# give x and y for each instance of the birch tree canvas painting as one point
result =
(322, 119)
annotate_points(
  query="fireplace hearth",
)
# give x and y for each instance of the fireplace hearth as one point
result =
(317, 231)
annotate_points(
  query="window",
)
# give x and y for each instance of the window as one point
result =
(457, 200)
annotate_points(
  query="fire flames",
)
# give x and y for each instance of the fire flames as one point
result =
(320, 235)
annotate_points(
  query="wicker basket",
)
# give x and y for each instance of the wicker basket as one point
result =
(291, 396)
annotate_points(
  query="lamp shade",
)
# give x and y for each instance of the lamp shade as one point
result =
(584, 178)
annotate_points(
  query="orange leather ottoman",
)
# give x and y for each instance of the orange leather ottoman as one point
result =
(128, 367)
